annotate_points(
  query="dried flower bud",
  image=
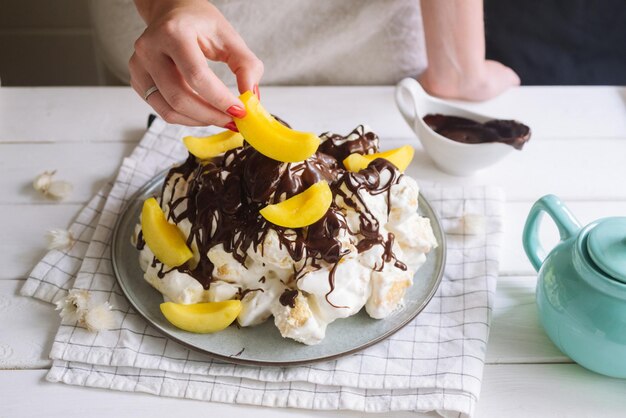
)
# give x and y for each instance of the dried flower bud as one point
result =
(469, 224)
(55, 189)
(42, 181)
(474, 224)
(74, 306)
(99, 318)
(77, 307)
(59, 189)
(59, 239)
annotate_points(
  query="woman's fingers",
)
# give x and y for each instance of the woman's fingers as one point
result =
(168, 114)
(179, 95)
(248, 70)
(141, 81)
(172, 55)
(243, 63)
(192, 64)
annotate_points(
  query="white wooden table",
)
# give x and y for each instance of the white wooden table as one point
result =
(578, 151)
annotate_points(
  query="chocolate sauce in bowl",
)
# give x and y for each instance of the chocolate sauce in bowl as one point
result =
(469, 131)
(224, 197)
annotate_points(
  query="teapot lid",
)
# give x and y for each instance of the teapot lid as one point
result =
(606, 245)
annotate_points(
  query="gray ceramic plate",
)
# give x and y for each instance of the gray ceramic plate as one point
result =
(263, 344)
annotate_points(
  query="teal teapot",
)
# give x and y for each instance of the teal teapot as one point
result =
(581, 287)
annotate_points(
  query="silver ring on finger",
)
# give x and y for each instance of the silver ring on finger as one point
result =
(148, 92)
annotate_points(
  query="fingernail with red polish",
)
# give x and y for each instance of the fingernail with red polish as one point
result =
(236, 111)
(231, 126)
(256, 92)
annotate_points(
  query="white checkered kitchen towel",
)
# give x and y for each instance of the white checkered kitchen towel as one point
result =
(434, 363)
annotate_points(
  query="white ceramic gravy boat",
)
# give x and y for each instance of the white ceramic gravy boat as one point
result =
(450, 156)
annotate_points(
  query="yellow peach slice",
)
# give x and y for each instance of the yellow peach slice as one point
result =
(400, 157)
(163, 238)
(202, 318)
(302, 209)
(214, 145)
(270, 137)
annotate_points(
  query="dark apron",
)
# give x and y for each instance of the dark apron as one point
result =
(559, 41)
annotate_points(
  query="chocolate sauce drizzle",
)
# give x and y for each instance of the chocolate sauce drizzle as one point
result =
(288, 298)
(140, 241)
(241, 293)
(377, 178)
(224, 196)
(339, 147)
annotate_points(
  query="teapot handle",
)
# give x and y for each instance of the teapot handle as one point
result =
(564, 219)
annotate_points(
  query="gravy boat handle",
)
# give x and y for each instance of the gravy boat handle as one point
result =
(409, 95)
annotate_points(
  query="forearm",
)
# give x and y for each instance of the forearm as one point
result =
(455, 47)
(148, 9)
(455, 37)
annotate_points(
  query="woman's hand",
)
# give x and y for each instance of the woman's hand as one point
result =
(171, 55)
(489, 79)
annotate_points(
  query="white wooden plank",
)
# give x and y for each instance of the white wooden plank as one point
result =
(562, 111)
(23, 240)
(20, 388)
(549, 390)
(341, 108)
(337, 109)
(88, 166)
(71, 114)
(512, 391)
(27, 328)
(516, 335)
(116, 113)
(581, 169)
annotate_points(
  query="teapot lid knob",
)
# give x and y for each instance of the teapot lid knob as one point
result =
(606, 245)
